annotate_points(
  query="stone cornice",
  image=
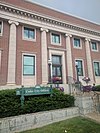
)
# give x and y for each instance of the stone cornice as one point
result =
(40, 17)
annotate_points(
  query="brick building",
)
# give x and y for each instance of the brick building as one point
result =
(38, 44)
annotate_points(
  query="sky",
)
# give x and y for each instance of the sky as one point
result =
(85, 9)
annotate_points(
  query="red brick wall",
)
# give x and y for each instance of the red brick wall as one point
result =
(4, 41)
(96, 55)
(28, 47)
(79, 54)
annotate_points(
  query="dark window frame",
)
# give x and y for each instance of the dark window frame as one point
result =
(1, 26)
(96, 71)
(57, 66)
(29, 30)
(77, 45)
(94, 48)
(54, 38)
(80, 69)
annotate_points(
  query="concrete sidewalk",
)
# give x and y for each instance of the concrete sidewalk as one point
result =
(94, 116)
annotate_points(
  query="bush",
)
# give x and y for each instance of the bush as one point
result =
(96, 88)
(10, 104)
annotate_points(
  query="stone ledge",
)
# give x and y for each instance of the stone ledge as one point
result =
(34, 120)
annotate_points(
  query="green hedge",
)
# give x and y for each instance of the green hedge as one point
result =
(10, 103)
(97, 88)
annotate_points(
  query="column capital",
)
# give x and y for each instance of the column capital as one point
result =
(87, 39)
(66, 35)
(44, 29)
(13, 22)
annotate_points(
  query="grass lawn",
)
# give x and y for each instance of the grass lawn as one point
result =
(74, 125)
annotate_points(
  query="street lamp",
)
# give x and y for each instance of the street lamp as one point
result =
(76, 65)
(50, 70)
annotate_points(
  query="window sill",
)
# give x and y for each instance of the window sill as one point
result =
(77, 47)
(97, 76)
(94, 50)
(0, 34)
(29, 75)
(32, 40)
(56, 44)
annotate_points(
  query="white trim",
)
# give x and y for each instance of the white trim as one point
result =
(37, 23)
(97, 50)
(47, 16)
(59, 49)
(61, 53)
(85, 31)
(80, 42)
(28, 39)
(30, 54)
(1, 28)
(59, 34)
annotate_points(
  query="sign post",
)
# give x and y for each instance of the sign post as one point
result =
(37, 90)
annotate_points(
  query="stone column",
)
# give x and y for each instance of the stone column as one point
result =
(44, 56)
(89, 60)
(69, 55)
(12, 53)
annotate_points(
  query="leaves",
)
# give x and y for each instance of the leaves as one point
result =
(10, 104)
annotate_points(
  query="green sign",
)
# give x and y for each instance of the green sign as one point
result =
(37, 90)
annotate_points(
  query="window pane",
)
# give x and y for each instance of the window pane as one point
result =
(25, 33)
(80, 67)
(29, 33)
(76, 42)
(29, 65)
(0, 26)
(96, 68)
(28, 60)
(58, 71)
(28, 70)
(57, 67)
(56, 59)
(54, 71)
(94, 46)
(55, 38)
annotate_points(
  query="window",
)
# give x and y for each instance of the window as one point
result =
(97, 68)
(0, 28)
(28, 65)
(77, 43)
(29, 33)
(55, 38)
(80, 67)
(57, 68)
(94, 46)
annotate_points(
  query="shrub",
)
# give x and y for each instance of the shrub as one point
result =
(96, 88)
(10, 104)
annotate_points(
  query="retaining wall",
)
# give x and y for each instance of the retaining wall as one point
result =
(29, 121)
(34, 120)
